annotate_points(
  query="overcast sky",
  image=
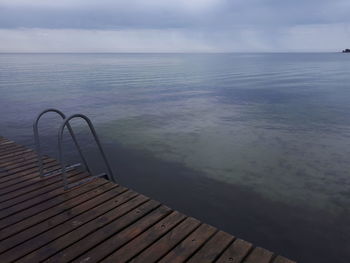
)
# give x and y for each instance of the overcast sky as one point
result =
(174, 25)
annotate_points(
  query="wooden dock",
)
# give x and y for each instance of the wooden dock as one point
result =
(100, 221)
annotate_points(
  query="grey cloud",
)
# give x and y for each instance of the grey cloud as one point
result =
(174, 25)
(135, 14)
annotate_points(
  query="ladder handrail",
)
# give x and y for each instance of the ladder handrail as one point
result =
(37, 140)
(60, 151)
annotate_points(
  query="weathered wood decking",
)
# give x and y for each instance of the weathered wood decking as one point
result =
(100, 221)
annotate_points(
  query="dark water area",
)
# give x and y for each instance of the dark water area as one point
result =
(289, 229)
(255, 144)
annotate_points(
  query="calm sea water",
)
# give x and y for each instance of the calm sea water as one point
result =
(256, 144)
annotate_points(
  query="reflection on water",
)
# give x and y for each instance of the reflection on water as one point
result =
(267, 135)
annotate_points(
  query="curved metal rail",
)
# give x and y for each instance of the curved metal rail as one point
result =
(65, 123)
(38, 147)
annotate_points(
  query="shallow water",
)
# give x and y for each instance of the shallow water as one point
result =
(257, 144)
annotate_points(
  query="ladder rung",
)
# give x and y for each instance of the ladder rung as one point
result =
(86, 180)
(59, 171)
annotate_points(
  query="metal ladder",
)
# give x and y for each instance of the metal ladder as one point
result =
(64, 167)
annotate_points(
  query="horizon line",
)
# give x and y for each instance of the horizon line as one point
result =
(163, 52)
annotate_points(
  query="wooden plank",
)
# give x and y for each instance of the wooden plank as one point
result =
(213, 248)
(10, 200)
(49, 214)
(13, 149)
(18, 164)
(167, 242)
(110, 245)
(2, 139)
(280, 259)
(80, 205)
(5, 145)
(147, 238)
(190, 245)
(9, 145)
(27, 179)
(27, 174)
(58, 238)
(23, 184)
(18, 159)
(15, 208)
(259, 255)
(23, 173)
(8, 156)
(44, 190)
(235, 252)
(4, 142)
(103, 233)
(17, 172)
(40, 185)
(15, 159)
(66, 196)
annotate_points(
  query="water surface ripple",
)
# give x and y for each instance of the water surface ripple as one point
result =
(257, 144)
